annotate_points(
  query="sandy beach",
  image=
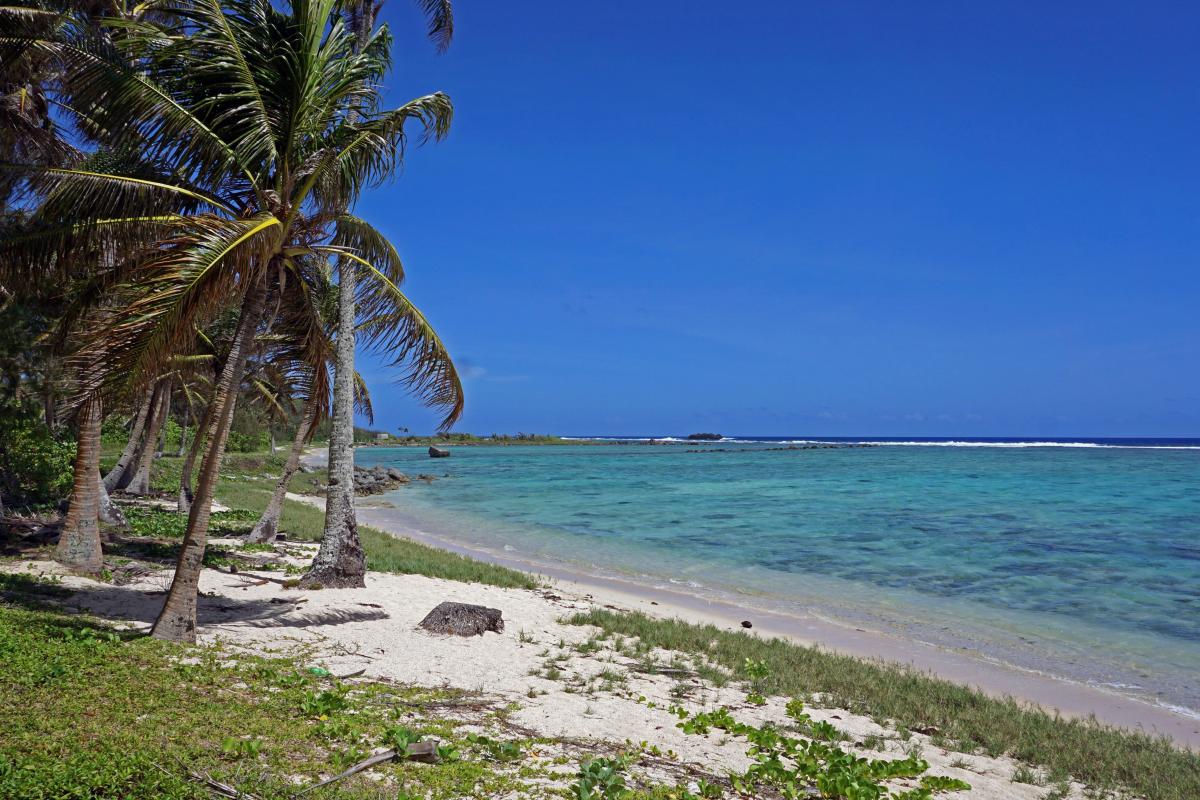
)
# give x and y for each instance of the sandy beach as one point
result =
(374, 630)
(997, 679)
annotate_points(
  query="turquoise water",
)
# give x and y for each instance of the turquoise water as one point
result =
(1082, 562)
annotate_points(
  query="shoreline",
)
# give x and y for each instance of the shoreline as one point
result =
(993, 678)
(996, 679)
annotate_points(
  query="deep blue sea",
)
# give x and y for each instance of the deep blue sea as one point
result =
(1079, 558)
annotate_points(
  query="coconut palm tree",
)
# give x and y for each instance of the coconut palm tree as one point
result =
(253, 134)
(79, 542)
(340, 561)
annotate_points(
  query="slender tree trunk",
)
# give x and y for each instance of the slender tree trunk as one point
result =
(117, 473)
(177, 622)
(146, 439)
(198, 439)
(49, 407)
(79, 542)
(110, 513)
(340, 561)
(274, 449)
(140, 482)
(166, 417)
(268, 524)
(187, 415)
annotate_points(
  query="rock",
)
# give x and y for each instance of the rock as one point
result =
(462, 619)
(705, 437)
(438, 452)
(377, 479)
(747, 623)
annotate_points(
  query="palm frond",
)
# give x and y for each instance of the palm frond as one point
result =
(393, 326)
(362, 398)
(119, 190)
(440, 16)
(360, 237)
(362, 154)
(199, 273)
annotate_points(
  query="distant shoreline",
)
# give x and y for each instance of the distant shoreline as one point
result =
(1010, 442)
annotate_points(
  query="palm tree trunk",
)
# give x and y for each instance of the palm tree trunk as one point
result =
(340, 561)
(187, 416)
(140, 482)
(79, 543)
(110, 512)
(166, 417)
(268, 524)
(198, 438)
(117, 473)
(274, 448)
(177, 621)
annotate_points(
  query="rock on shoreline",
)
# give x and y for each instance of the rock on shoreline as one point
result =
(379, 479)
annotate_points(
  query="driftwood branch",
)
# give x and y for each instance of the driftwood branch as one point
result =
(213, 785)
(418, 751)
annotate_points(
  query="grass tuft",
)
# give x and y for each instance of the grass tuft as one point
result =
(1102, 757)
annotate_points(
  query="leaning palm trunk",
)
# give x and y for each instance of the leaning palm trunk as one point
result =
(116, 475)
(340, 562)
(189, 463)
(79, 542)
(139, 483)
(110, 513)
(177, 621)
(162, 423)
(268, 524)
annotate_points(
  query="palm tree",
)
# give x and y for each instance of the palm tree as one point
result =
(253, 133)
(79, 542)
(340, 561)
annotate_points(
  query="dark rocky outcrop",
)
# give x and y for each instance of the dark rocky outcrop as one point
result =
(462, 619)
(376, 480)
(438, 452)
(705, 437)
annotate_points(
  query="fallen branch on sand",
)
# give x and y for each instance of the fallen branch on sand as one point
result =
(213, 785)
(417, 751)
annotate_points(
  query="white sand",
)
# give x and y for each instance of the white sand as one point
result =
(375, 629)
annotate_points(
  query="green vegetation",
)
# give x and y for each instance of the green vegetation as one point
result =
(246, 485)
(35, 463)
(965, 719)
(365, 436)
(91, 712)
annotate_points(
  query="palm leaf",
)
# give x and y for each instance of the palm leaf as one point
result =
(200, 273)
(397, 328)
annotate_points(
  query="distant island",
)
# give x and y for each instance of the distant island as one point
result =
(366, 436)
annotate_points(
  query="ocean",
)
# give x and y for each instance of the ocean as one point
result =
(1076, 558)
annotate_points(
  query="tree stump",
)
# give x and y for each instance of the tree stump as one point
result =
(462, 619)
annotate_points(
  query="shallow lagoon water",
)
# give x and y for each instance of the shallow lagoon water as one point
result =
(1079, 562)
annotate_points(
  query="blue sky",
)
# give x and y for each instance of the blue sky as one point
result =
(825, 218)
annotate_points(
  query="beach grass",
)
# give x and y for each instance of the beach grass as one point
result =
(248, 480)
(959, 717)
(89, 711)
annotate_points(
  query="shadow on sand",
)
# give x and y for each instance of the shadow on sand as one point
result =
(134, 604)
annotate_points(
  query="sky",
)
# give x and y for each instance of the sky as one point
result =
(835, 218)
